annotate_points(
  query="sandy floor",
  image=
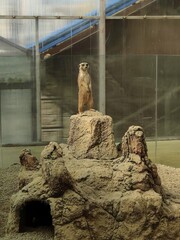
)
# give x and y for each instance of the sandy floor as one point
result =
(170, 178)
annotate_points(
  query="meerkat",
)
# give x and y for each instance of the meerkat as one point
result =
(85, 88)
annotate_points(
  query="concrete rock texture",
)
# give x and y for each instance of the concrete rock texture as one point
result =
(100, 199)
(91, 136)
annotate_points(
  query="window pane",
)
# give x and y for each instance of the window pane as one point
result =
(49, 7)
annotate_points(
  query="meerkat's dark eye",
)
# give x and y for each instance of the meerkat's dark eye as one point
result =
(84, 65)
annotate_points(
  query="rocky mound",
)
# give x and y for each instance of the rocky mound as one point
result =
(94, 198)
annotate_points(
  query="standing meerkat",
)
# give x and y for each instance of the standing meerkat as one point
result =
(85, 88)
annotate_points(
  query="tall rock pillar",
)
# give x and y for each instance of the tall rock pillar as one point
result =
(91, 136)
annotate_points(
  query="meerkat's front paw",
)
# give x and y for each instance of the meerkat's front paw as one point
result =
(80, 113)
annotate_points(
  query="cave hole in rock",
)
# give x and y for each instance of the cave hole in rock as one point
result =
(34, 215)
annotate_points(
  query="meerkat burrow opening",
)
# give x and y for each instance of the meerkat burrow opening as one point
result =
(34, 215)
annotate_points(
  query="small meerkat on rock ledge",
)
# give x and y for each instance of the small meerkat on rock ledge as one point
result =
(85, 88)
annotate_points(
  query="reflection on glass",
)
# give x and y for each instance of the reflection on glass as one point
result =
(131, 92)
(168, 96)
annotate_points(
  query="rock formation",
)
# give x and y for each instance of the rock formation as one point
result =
(29, 167)
(144, 174)
(96, 198)
(28, 160)
(91, 136)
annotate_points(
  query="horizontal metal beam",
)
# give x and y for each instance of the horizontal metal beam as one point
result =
(170, 17)
(48, 17)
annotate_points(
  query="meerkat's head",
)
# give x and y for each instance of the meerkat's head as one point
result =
(84, 66)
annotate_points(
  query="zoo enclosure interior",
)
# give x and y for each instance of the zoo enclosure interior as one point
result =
(135, 73)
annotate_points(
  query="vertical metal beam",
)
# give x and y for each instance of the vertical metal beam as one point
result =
(38, 83)
(1, 155)
(102, 58)
(156, 107)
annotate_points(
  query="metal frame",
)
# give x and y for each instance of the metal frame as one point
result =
(169, 17)
(161, 17)
(102, 61)
(48, 17)
(38, 83)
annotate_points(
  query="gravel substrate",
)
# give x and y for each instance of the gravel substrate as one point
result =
(170, 178)
(41, 235)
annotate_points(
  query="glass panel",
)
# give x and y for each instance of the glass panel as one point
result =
(18, 31)
(16, 116)
(131, 77)
(168, 97)
(142, 8)
(142, 80)
(159, 7)
(60, 54)
(131, 93)
(49, 7)
(17, 89)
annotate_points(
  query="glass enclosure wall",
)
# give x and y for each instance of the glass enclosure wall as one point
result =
(142, 74)
(16, 90)
(39, 58)
(34, 73)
